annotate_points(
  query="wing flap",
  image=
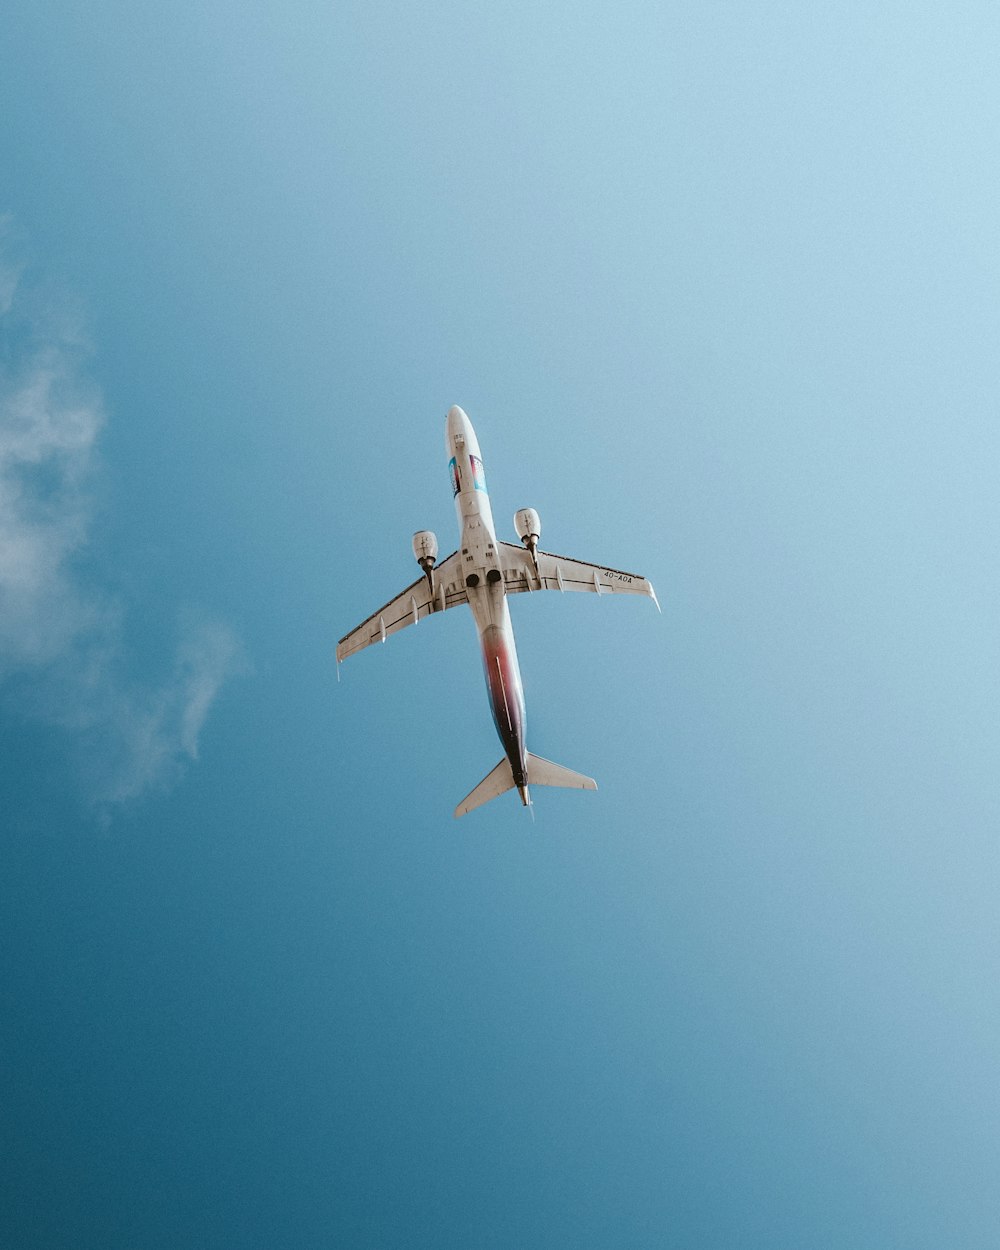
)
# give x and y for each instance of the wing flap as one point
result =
(408, 608)
(563, 573)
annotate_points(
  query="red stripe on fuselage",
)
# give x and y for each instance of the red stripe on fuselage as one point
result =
(503, 682)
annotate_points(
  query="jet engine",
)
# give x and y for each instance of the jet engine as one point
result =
(425, 549)
(529, 530)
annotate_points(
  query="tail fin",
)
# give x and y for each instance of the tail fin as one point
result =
(540, 773)
(545, 773)
(494, 783)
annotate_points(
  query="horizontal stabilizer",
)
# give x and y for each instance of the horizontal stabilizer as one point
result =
(545, 773)
(497, 782)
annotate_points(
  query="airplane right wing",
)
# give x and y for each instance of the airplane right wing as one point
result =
(561, 573)
(409, 606)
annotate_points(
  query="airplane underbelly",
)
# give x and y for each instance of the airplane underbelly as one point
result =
(503, 684)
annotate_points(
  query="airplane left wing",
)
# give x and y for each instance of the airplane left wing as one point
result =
(562, 573)
(408, 607)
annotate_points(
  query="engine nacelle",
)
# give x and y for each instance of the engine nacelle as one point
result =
(425, 548)
(529, 529)
(528, 525)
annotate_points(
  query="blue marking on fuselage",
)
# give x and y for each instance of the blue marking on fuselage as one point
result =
(478, 474)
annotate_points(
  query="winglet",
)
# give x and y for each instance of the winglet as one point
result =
(652, 595)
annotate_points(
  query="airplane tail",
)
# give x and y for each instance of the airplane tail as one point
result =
(540, 773)
(545, 773)
(497, 782)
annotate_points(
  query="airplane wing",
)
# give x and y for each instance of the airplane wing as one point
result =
(562, 573)
(408, 607)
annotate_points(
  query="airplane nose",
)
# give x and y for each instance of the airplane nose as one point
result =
(458, 432)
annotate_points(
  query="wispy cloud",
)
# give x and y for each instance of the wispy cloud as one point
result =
(62, 657)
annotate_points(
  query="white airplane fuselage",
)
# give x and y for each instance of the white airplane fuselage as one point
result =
(482, 573)
(484, 586)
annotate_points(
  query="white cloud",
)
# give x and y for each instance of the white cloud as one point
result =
(61, 654)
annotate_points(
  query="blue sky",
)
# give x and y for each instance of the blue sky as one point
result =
(717, 286)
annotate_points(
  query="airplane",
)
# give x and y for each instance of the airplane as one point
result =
(482, 572)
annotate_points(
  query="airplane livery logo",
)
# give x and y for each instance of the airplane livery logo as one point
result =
(478, 474)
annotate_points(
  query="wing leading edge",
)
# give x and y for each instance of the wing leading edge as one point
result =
(562, 573)
(409, 606)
